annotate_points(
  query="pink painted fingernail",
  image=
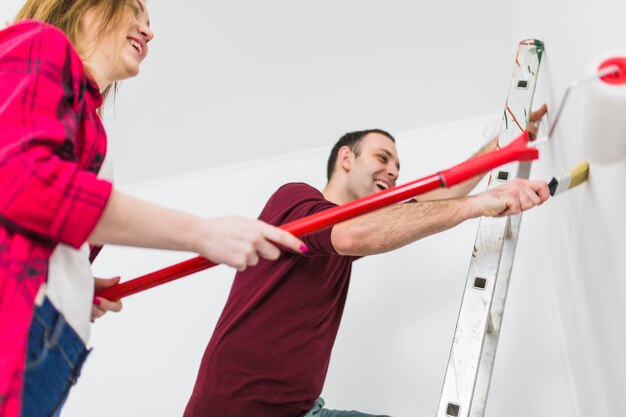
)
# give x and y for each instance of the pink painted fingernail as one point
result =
(96, 301)
(304, 248)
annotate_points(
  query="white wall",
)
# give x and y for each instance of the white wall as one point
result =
(581, 239)
(233, 81)
(560, 352)
(395, 337)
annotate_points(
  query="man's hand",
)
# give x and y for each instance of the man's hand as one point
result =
(512, 198)
(102, 305)
(534, 120)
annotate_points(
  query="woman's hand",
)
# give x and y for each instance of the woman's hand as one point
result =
(102, 305)
(241, 242)
(235, 241)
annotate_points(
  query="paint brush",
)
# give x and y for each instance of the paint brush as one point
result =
(570, 179)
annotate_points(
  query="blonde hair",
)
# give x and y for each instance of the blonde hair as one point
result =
(66, 15)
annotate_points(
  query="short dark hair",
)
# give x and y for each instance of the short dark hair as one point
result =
(351, 140)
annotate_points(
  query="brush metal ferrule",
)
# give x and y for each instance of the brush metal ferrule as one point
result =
(560, 183)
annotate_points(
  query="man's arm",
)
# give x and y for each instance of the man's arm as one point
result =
(396, 226)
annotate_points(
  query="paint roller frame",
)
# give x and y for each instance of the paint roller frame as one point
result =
(611, 71)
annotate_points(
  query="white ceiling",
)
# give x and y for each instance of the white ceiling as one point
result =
(233, 81)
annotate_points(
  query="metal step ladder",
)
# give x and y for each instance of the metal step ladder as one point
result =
(466, 384)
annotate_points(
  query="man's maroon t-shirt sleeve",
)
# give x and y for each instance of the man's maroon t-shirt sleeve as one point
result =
(297, 200)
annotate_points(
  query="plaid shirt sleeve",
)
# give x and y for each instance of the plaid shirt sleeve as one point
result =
(49, 138)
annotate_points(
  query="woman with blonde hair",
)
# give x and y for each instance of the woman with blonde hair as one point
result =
(58, 63)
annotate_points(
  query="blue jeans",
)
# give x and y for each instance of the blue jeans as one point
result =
(54, 357)
(318, 410)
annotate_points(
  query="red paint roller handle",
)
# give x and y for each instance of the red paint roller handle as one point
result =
(300, 227)
(515, 151)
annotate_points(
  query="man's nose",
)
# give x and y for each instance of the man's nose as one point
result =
(393, 172)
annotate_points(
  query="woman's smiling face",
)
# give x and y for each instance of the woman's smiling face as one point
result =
(117, 53)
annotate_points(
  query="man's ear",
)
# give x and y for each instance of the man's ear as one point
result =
(345, 156)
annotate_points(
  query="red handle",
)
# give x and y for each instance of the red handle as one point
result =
(515, 151)
(301, 227)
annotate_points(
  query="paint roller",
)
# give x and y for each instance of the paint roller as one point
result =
(517, 150)
(604, 113)
(604, 129)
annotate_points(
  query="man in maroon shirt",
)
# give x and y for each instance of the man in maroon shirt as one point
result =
(270, 351)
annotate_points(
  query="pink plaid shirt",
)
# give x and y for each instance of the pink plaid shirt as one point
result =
(52, 144)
